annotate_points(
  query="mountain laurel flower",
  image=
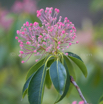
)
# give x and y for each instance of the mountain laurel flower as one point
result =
(52, 37)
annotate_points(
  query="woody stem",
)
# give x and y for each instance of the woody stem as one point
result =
(78, 89)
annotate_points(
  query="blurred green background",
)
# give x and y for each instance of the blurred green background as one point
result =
(87, 15)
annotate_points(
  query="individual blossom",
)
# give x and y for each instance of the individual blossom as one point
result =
(27, 6)
(53, 37)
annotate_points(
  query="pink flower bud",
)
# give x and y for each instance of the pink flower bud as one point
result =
(16, 37)
(35, 51)
(28, 42)
(19, 41)
(35, 23)
(50, 11)
(66, 53)
(40, 36)
(23, 33)
(17, 31)
(59, 42)
(31, 24)
(36, 60)
(22, 61)
(27, 23)
(21, 52)
(25, 29)
(67, 21)
(21, 45)
(57, 47)
(77, 42)
(66, 18)
(71, 31)
(63, 32)
(70, 44)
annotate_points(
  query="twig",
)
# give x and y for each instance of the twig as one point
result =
(78, 89)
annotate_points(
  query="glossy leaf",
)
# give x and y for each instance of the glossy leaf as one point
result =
(35, 67)
(48, 81)
(74, 55)
(68, 64)
(67, 85)
(36, 86)
(80, 64)
(26, 85)
(58, 76)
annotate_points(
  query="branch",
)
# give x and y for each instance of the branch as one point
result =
(78, 89)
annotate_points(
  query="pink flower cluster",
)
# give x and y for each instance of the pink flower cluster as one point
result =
(50, 38)
(28, 6)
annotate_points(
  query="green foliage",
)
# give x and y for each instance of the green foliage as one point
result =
(74, 55)
(97, 5)
(36, 86)
(67, 85)
(35, 67)
(50, 62)
(101, 100)
(48, 81)
(53, 69)
(68, 65)
(77, 60)
(26, 85)
(58, 76)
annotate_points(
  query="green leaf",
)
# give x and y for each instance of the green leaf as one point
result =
(48, 81)
(68, 65)
(50, 62)
(58, 76)
(70, 89)
(25, 88)
(80, 64)
(35, 67)
(67, 85)
(36, 86)
(101, 99)
(74, 55)
(101, 102)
